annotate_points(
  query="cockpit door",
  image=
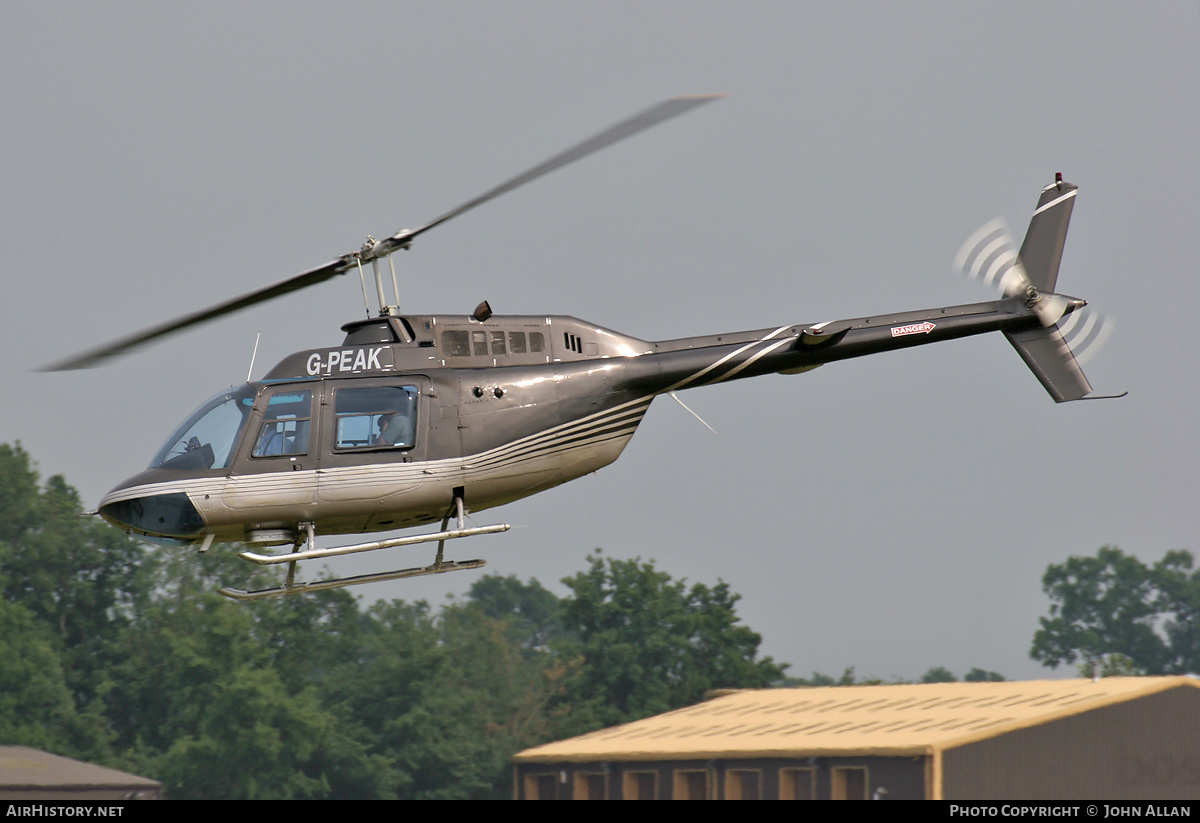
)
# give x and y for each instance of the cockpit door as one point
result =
(277, 462)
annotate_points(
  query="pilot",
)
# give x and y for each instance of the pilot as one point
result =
(395, 429)
(270, 442)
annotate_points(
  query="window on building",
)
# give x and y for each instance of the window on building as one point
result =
(540, 787)
(743, 784)
(640, 785)
(797, 784)
(591, 786)
(849, 783)
(691, 785)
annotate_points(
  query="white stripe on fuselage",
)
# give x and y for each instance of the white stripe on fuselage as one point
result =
(723, 360)
(766, 350)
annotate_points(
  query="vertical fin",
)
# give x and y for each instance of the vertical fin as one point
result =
(1042, 250)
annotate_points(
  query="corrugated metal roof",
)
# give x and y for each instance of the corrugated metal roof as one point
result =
(849, 720)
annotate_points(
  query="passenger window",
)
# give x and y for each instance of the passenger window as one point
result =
(479, 343)
(456, 343)
(285, 425)
(536, 341)
(497, 342)
(377, 417)
(516, 342)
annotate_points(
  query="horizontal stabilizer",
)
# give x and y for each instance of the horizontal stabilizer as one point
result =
(1050, 359)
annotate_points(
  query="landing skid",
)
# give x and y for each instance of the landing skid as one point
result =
(341, 583)
(310, 552)
(317, 554)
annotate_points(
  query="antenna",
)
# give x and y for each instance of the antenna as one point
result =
(253, 354)
(675, 397)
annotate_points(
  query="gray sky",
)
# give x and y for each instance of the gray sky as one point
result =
(892, 513)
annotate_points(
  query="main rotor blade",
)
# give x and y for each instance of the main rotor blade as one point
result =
(300, 281)
(626, 128)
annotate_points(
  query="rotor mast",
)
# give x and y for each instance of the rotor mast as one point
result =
(371, 250)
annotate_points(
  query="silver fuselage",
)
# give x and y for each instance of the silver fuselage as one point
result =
(501, 410)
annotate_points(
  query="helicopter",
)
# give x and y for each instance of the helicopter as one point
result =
(420, 419)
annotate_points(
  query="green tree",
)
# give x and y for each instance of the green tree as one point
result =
(819, 679)
(939, 674)
(197, 701)
(308, 638)
(36, 708)
(446, 696)
(424, 693)
(649, 644)
(532, 614)
(1114, 611)
(75, 574)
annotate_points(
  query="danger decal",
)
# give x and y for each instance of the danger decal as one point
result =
(913, 328)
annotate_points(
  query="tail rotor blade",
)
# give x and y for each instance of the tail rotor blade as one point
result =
(1086, 332)
(991, 256)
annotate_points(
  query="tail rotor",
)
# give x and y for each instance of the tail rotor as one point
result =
(1086, 332)
(989, 255)
(1071, 334)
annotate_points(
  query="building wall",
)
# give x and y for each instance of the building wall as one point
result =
(768, 778)
(1145, 749)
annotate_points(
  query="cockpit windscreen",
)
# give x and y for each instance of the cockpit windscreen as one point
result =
(206, 439)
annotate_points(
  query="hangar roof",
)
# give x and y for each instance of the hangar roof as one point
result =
(895, 720)
(25, 768)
